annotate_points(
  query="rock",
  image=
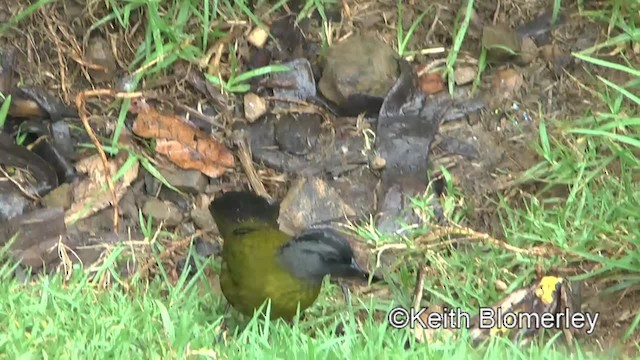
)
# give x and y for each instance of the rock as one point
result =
(151, 184)
(298, 134)
(357, 189)
(189, 181)
(501, 43)
(299, 144)
(464, 75)
(203, 219)
(206, 248)
(360, 65)
(62, 197)
(528, 51)
(506, 83)
(162, 211)
(258, 37)
(32, 228)
(311, 201)
(254, 107)
(186, 229)
(182, 201)
(556, 57)
(128, 206)
(99, 53)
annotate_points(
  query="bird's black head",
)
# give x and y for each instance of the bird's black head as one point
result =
(319, 252)
(237, 207)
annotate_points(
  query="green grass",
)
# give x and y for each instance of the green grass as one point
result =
(78, 319)
(595, 223)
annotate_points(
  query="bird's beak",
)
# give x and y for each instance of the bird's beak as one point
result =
(357, 272)
(356, 269)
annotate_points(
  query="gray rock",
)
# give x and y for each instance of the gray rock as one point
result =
(189, 181)
(203, 219)
(162, 211)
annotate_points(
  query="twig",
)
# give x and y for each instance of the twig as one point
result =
(80, 101)
(247, 165)
(440, 232)
(419, 289)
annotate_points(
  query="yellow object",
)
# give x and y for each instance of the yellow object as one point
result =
(546, 290)
(260, 262)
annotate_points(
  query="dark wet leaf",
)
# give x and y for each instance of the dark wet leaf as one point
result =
(406, 128)
(48, 103)
(14, 155)
(65, 170)
(33, 228)
(405, 97)
(539, 27)
(295, 84)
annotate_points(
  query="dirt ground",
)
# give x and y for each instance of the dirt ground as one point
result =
(53, 46)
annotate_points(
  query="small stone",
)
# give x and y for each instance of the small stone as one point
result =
(360, 65)
(464, 75)
(99, 53)
(378, 163)
(500, 285)
(254, 107)
(128, 206)
(258, 37)
(162, 211)
(203, 219)
(311, 201)
(507, 83)
(61, 197)
(528, 51)
(501, 42)
(189, 181)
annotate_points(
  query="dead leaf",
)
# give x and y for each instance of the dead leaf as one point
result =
(91, 194)
(431, 83)
(185, 145)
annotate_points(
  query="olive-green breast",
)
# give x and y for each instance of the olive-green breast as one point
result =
(251, 274)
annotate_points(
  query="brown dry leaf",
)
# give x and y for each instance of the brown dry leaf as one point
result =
(187, 157)
(431, 83)
(185, 145)
(91, 194)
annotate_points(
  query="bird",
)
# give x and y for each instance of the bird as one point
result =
(260, 262)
